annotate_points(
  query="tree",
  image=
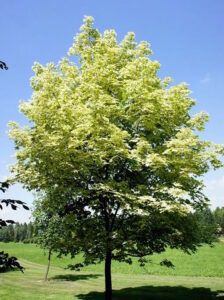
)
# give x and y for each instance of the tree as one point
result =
(11, 232)
(117, 149)
(29, 231)
(207, 224)
(17, 233)
(219, 219)
(50, 233)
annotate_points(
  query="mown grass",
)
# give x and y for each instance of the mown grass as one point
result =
(129, 282)
(207, 262)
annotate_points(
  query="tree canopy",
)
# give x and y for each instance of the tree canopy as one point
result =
(117, 147)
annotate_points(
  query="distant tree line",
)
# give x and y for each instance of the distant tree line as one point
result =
(212, 221)
(29, 232)
(18, 233)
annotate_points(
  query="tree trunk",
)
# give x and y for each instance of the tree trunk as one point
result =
(108, 283)
(48, 265)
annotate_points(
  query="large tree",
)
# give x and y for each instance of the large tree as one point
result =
(116, 147)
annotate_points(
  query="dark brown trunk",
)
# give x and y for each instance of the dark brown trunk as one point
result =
(108, 283)
(48, 264)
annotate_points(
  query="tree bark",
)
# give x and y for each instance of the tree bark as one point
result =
(48, 265)
(108, 282)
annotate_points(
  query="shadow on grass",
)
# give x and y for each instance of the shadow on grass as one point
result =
(74, 277)
(158, 293)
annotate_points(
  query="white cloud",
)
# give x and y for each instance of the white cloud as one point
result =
(206, 79)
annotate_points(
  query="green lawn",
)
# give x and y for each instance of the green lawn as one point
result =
(207, 262)
(199, 276)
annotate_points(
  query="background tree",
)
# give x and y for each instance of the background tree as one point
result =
(50, 233)
(17, 233)
(207, 223)
(117, 148)
(30, 231)
(219, 219)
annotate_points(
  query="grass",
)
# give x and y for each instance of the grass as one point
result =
(200, 276)
(207, 262)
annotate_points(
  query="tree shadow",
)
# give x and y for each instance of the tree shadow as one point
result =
(158, 293)
(74, 277)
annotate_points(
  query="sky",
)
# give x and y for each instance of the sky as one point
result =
(186, 38)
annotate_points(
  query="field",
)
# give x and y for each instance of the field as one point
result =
(195, 277)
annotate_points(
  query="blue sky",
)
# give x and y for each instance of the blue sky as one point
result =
(186, 38)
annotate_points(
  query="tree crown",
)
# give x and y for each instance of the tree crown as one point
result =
(111, 114)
